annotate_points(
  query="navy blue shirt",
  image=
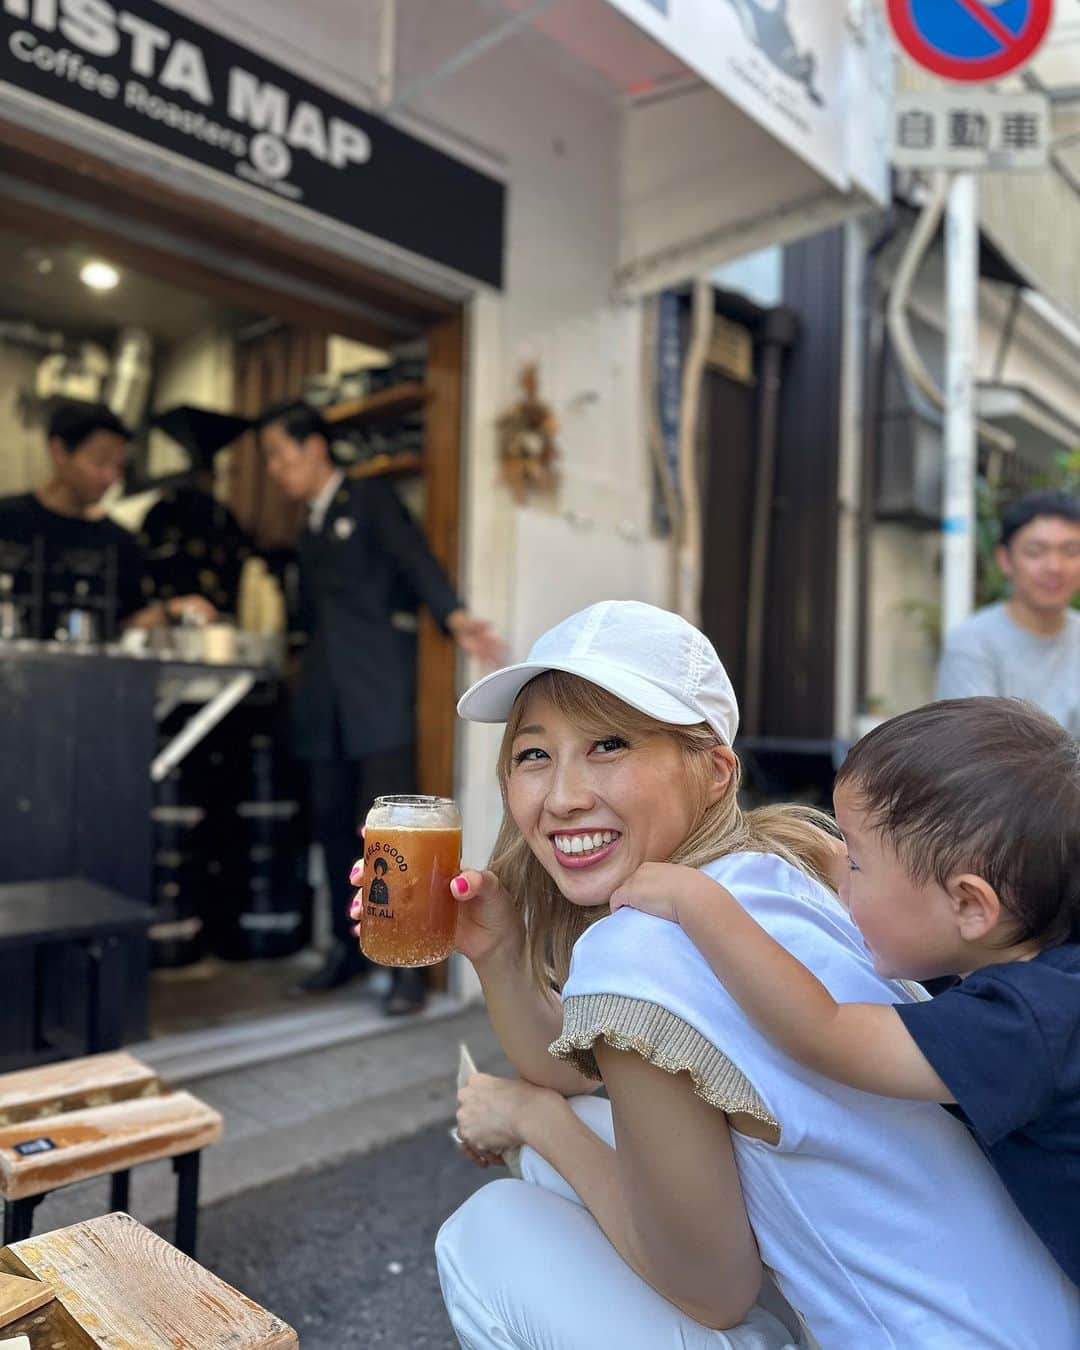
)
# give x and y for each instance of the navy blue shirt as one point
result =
(1005, 1041)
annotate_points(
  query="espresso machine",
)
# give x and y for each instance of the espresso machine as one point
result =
(192, 542)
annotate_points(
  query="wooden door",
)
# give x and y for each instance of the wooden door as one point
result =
(436, 722)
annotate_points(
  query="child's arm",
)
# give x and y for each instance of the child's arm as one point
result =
(864, 1045)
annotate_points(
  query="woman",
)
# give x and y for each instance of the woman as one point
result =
(729, 1157)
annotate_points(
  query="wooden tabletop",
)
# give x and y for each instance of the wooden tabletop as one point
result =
(119, 1286)
(74, 1084)
(100, 1139)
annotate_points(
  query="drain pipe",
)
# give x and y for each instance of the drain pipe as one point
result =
(903, 344)
(778, 333)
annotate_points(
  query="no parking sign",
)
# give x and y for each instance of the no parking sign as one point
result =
(970, 40)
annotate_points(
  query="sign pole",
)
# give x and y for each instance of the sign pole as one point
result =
(961, 297)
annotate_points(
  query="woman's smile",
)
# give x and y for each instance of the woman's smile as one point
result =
(583, 848)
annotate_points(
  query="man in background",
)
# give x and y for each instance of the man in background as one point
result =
(87, 561)
(1029, 645)
(361, 558)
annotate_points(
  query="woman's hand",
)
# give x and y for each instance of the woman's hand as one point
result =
(495, 1114)
(656, 888)
(487, 917)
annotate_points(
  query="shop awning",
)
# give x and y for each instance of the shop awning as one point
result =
(1041, 432)
(738, 121)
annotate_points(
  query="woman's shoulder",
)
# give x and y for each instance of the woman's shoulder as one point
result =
(761, 882)
(763, 870)
(763, 878)
(632, 948)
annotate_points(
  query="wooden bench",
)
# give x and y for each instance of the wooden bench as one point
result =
(118, 1286)
(97, 1116)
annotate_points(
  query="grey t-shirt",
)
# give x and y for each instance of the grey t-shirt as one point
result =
(991, 654)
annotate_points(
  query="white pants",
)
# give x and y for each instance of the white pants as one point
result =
(523, 1264)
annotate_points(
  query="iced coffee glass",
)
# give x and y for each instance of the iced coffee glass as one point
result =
(412, 851)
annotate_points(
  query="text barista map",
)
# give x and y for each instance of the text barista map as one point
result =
(150, 72)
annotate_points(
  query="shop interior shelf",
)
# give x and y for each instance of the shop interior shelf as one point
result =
(386, 466)
(393, 402)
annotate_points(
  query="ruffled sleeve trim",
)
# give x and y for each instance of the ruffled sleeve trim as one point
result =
(662, 1038)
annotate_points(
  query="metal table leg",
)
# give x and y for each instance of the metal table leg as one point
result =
(120, 1191)
(186, 1168)
(19, 1218)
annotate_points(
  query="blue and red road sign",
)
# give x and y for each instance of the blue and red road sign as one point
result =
(970, 39)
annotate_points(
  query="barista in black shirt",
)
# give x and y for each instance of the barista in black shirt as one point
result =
(87, 561)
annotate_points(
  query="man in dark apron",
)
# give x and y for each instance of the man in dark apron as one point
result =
(62, 558)
(354, 709)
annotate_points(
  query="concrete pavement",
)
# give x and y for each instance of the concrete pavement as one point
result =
(345, 1253)
(308, 1111)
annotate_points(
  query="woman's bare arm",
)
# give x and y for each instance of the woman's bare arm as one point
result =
(526, 1020)
(668, 1198)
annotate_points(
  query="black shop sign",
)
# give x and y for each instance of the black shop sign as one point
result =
(156, 75)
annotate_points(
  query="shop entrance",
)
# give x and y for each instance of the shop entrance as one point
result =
(206, 310)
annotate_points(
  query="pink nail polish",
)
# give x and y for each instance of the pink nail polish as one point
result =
(459, 885)
(356, 874)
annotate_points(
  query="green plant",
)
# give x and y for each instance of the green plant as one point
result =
(990, 583)
(1069, 466)
(926, 616)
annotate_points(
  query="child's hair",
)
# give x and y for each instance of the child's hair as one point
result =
(799, 835)
(989, 786)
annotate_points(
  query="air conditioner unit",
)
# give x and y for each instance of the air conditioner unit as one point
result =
(908, 477)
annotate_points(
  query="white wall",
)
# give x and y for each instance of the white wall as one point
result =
(901, 655)
(24, 460)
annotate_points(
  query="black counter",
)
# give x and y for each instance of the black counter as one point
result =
(77, 738)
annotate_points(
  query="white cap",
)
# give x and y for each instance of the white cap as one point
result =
(654, 661)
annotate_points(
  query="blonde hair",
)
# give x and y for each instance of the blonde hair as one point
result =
(800, 835)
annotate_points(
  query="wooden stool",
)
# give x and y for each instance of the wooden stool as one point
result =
(92, 1117)
(118, 1285)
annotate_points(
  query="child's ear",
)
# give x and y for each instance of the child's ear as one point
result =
(723, 765)
(975, 905)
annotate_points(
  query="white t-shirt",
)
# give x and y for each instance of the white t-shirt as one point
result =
(884, 1224)
(990, 653)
